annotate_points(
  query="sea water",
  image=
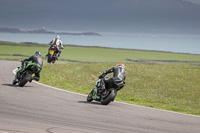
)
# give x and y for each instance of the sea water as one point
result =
(180, 44)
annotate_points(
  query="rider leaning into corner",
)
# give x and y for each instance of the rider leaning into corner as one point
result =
(118, 79)
(36, 58)
(56, 41)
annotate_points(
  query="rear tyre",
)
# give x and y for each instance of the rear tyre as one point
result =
(25, 79)
(50, 57)
(111, 96)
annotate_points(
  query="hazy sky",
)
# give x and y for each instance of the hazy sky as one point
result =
(193, 1)
(120, 16)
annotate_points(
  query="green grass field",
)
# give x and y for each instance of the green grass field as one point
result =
(91, 54)
(173, 87)
(168, 86)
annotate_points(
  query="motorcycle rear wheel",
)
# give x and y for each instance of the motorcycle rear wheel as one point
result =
(25, 79)
(111, 96)
(50, 57)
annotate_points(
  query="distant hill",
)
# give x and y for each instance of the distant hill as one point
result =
(44, 31)
(10, 30)
(103, 16)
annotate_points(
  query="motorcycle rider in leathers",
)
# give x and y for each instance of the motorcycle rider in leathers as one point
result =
(36, 58)
(118, 79)
(56, 41)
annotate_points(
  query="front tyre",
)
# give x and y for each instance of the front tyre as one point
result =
(89, 97)
(111, 96)
(14, 82)
(25, 79)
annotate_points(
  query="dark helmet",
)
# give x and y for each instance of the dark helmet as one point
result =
(120, 65)
(37, 53)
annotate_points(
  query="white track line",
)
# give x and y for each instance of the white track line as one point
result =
(14, 71)
(3, 132)
(59, 89)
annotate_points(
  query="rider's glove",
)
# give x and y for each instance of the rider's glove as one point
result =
(102, 76)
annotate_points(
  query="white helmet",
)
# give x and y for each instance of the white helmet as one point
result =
(57, 37)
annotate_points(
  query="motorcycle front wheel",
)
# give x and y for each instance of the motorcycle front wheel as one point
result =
(89, 97)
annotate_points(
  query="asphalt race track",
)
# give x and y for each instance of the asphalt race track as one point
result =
(39, 109)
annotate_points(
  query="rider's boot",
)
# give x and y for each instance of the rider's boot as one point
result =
(33, 78)
(57, 55)
(59, 52)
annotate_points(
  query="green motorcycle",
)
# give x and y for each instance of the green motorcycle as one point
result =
(98, 95)
(26, 74)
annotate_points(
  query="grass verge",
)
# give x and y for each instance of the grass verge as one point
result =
(174, 87)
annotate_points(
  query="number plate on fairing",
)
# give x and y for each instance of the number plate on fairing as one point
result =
(51, 51)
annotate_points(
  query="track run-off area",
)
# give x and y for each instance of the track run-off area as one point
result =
(39, 108)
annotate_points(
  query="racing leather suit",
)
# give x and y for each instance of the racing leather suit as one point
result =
(58, 43)
(118, 79)
(35, 59)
